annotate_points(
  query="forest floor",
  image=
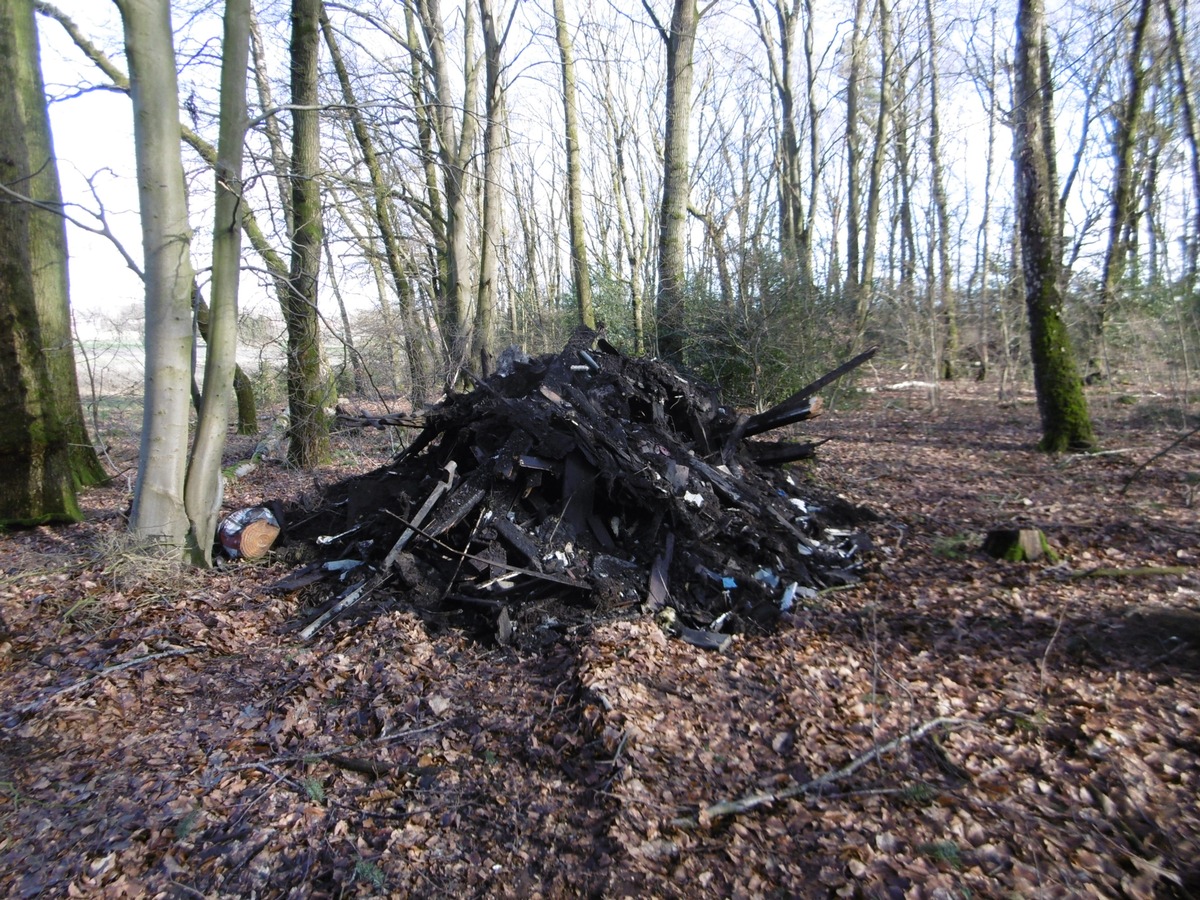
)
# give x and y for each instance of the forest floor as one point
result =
(954, 726)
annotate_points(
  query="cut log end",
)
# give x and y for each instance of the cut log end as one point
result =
(256, 539)
(1018, 545)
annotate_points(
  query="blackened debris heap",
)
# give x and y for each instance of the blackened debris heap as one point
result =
(582, 485)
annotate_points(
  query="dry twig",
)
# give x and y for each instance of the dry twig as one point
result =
(766, 798)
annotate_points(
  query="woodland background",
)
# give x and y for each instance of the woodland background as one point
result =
(849, 172)
(762, 189)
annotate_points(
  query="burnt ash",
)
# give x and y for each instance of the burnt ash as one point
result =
(579, 486)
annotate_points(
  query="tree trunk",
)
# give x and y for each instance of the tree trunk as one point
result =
(423, 110)
(982, 336)
(1064, 413)
(794, 236)
(484, 336)
(276, 267)
(243, 389)
(1192, 130)
(579, 261)
(1124, 194)
(44, 447)
(280, 164)
(858, 50)
(308, 430)
(633, 238)
(204, 484)
(35, 484)
(672, 236)
(349, 353)
(48, 252)
(159, 516)
(945, 298)
(866, 277)
(383, 216)
(454, 149)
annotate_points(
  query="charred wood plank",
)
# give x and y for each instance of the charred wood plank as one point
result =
(778, 415)
(419, 518)
(459, 504)
(339, 606)
(706, 640)
(516, 538)
(776, 453)
(659, 586)
(579, 491)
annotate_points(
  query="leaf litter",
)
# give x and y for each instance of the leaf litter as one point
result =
(1009, 729)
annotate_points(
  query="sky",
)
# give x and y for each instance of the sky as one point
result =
(93, 139)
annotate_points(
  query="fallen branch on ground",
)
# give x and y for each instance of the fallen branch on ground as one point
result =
(766, 798)
(1161, 453)
(36, 705)
(1135, 572)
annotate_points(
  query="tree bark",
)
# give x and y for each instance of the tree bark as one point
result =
(159, 516)
(672, 237)
(866, 277)
(308, 430)
(204, 489)
(383, 216)
(579, 260)
(48, 252)
(44, 443)
(945, 298)
(35, 468)
(454, 148)
(484, 336)
(1124, 193)
(1063, 408)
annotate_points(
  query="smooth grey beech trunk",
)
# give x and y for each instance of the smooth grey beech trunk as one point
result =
(158, 514)
(204, 484)
(671, 298)
(579, 260)
(178, 494)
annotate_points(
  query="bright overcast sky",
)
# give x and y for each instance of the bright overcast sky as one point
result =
(93, 138)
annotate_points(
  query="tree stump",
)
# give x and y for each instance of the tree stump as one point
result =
(1018, 545)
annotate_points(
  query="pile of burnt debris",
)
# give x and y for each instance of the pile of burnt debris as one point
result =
(579, 486)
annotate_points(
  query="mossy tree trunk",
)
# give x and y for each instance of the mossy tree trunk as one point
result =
(1066, 423)
(308, 430)
(35, 469)
(37, 242)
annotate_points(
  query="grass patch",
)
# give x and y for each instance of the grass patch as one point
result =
(186, 825)
(918, 794)
(367, 871)
(942, 851)
(313, 787)
(955, 546)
